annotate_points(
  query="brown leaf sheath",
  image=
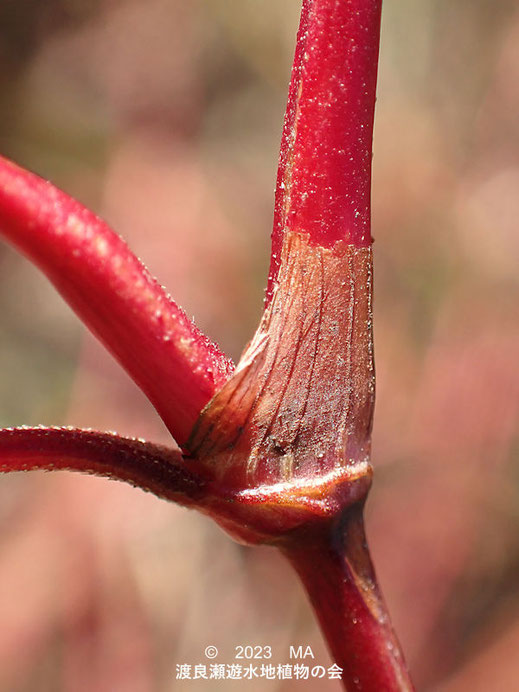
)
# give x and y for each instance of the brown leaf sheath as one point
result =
(300, 403)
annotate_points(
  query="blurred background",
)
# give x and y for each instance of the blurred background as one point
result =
(165, 117)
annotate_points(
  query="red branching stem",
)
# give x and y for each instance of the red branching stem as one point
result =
(324, 177)
(148, 466)
(336, 570)
(172, 362)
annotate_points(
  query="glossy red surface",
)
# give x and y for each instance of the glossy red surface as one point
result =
(175, 365)
(324, 178)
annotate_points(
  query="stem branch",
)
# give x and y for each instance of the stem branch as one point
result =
(148, 466)
(173, 363)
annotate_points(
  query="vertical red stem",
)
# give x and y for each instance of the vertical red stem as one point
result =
(324, 176)
(336, 570)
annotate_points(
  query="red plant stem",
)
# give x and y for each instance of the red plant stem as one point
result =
(175, 365)
(148, 466)
(324, 176)
(336, 570)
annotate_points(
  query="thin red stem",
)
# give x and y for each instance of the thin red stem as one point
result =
(336, 570)
(324, 177)
(175, 365)
(148, 466)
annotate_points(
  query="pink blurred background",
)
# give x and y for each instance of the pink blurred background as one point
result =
(165, 117)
